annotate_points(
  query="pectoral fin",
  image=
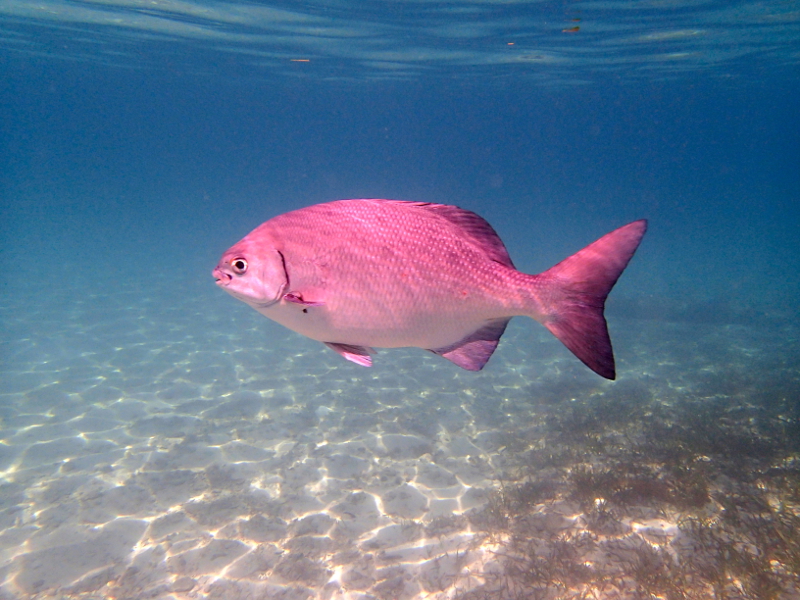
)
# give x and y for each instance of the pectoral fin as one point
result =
(296, 298)
(474, 351)
(357, 354)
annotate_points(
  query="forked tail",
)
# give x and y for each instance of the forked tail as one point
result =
(573, 295)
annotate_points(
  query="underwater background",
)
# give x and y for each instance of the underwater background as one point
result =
(160, 439)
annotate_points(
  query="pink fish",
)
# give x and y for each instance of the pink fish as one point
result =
(364, 274)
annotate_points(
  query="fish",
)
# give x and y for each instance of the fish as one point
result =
(363, 274)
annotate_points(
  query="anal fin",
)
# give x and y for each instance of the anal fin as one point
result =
(473, 352)
(357, 354)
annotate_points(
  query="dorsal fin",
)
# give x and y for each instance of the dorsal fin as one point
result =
(476, 228)
(472, 226)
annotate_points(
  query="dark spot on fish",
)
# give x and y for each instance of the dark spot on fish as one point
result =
(305, 310)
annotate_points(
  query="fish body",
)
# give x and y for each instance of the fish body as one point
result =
(364, 274)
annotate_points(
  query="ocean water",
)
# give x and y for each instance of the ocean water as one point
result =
(160, 439)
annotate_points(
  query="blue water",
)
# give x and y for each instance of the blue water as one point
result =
(162, 440)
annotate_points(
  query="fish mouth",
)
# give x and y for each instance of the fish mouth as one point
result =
(221, 278)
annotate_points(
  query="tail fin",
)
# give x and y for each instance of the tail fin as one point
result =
(574, 295)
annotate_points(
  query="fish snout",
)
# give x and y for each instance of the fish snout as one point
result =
(221, 277)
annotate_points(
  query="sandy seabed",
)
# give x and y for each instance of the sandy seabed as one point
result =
(178, 447)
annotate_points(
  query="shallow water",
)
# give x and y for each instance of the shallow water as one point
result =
(159, 439)
(164, 445)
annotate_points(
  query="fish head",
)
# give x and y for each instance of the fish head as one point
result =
(254, 272)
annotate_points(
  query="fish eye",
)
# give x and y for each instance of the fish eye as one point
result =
(239, 266)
